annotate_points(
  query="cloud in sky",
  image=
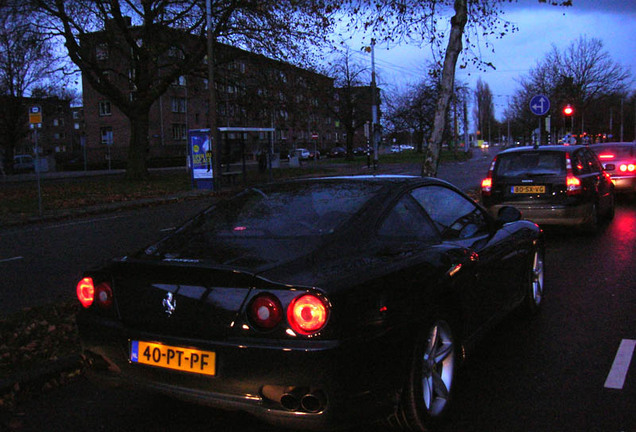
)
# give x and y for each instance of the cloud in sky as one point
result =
(540, 26)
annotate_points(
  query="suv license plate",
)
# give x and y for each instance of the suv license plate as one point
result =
(171, 357)
(528, 189)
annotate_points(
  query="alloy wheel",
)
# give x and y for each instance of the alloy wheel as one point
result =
(438, 368)
(537, 278)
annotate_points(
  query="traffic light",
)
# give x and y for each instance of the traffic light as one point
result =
(568, 110)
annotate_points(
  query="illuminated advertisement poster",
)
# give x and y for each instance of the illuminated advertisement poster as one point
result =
(201, 155)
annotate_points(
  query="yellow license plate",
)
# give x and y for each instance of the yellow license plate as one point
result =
(171, 357)
(528, 189)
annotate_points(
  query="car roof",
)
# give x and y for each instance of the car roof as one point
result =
(559, 148)
(614, 144)
(381, 179)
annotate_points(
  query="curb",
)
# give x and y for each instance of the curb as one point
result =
(107, 208)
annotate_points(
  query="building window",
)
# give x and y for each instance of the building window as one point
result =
(76, 126)
(104, 108)
(76, 115)
(101, 51)
(179, 132)
(107, 135)
(178, 104)
(175, 52)
(180, 82)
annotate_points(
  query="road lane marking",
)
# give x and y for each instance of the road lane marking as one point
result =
(168, 229)
(618, 372)
(11, 259)
(84, 222)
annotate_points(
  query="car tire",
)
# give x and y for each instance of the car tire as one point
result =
(427, 394)
(535, 288)
(611, 211)
(592, 224)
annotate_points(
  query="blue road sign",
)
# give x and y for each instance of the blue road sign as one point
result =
(539, 105)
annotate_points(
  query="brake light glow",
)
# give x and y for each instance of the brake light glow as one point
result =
(265, 311)
(627, 167)
(86, 292)
(307, 314)
(486, 185)
(89, 294)
(606, 156)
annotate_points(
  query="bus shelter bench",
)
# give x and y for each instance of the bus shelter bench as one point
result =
(230, 177)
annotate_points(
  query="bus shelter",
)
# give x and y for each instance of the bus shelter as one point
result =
(235, 150)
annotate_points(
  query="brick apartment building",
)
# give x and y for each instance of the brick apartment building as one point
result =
(252, 91)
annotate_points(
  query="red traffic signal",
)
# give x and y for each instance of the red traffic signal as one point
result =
(568, 110)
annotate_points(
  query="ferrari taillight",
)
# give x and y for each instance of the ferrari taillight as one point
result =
(89, 294)
(265, 311)
(307, 314)
(86, 292)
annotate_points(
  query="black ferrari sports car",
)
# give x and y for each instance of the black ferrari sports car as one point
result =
(315, 303)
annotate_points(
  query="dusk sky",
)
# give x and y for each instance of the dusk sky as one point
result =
(539, 27)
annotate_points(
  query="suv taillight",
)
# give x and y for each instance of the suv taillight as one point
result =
(572, 183)
(486, 184)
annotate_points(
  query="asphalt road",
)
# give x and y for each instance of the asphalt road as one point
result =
(549, 373)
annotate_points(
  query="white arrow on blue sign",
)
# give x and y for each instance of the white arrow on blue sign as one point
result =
(539, 105)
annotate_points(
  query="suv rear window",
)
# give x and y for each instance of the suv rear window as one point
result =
(530, 163)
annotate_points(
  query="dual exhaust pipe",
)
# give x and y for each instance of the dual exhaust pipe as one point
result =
(300, 399)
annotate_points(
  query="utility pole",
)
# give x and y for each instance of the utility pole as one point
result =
(214, 146)
(622, 119)
(374, 108)
(465, 126)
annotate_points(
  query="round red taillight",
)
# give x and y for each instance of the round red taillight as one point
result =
(104, 295)
(86, 292)
(89, 294)
(307, 314)
(265, 311)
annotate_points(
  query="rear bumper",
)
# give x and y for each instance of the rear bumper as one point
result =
(327, 386)
(624, 184)
(546, 214)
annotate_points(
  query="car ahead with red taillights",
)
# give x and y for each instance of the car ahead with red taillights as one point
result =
(619, 161)
(315, 303)
(551, 185)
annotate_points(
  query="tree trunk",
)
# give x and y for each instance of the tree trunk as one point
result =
(458, 22)
(138, 148)
(349, 143)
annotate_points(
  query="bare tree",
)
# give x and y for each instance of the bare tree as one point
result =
(27, 62)
(582, 75)
(161, 41)
(484, 109)
(413, 110)
(351, 80)
(424, 22)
